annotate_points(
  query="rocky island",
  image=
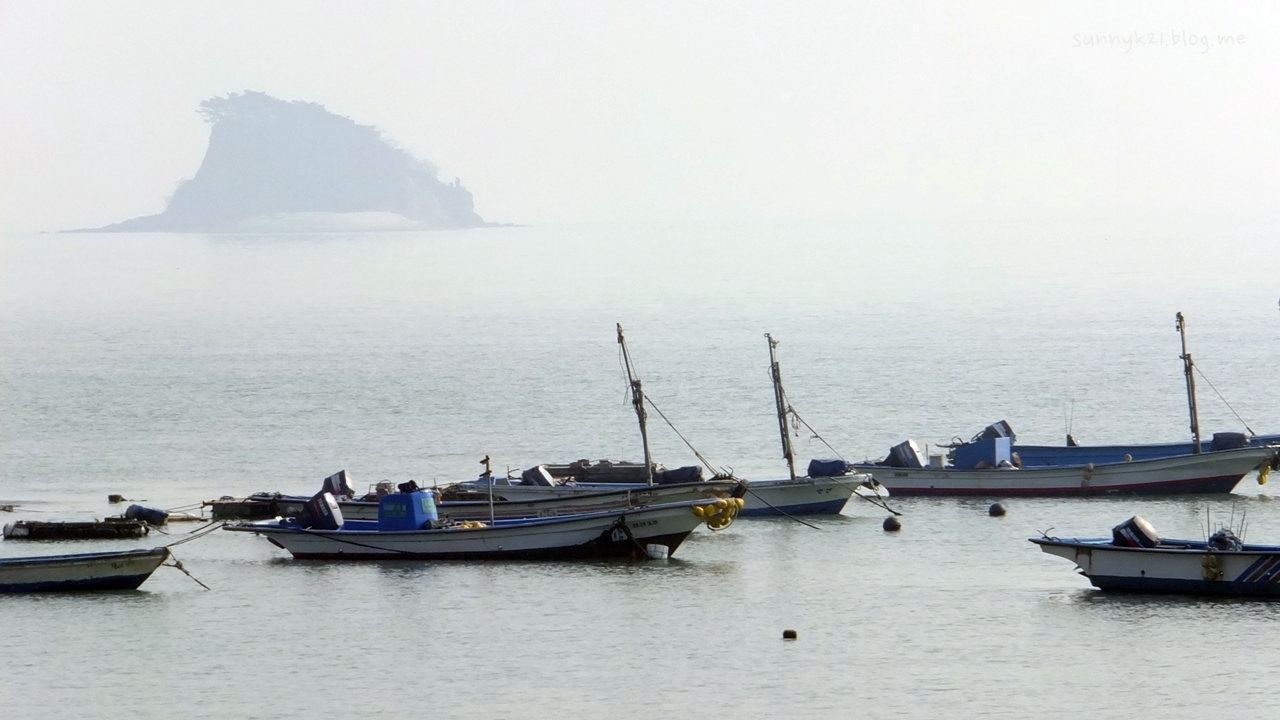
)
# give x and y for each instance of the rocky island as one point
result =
(279, 166)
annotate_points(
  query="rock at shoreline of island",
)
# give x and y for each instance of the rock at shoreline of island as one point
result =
(279, 166)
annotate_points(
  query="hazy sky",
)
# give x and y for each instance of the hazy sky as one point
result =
(597, 111)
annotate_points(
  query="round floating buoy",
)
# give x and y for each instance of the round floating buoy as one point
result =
(996, 510)
(789, 635)
(891, 524)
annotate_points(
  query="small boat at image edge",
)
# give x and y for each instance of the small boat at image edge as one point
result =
(1136, 559)
(122, 570)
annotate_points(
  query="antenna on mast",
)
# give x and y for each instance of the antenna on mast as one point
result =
(637, 401)
(780, 398)
(1188, 366)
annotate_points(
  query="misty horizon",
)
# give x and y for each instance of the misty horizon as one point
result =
(575, 113)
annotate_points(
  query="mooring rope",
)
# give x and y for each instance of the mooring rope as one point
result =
(177, 565)
(881, 504)
(198, 533)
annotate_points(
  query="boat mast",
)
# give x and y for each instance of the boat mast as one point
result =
(780, 398)
(637, 401)
(1188, 367)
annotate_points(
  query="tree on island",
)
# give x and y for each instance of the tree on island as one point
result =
(269, 158)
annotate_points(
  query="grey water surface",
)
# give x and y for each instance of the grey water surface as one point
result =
(176, 368)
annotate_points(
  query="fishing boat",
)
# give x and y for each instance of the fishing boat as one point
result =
(510, 500)
(1073, 453)
(823, 491)
(1028, 456)
(584, 479)
(122, 570)
(1135, 558)
(408, 527)
(903, 473)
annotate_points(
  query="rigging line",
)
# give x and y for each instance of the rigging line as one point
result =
(879, 500)
(1224, 401)
(781, 512)
(663, 415)
(197, 534)
(796, 415)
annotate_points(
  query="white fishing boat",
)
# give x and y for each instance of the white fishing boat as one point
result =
(1210, 472)
(812, 494)
(655, 531)
(122, 570)
(1136, 559)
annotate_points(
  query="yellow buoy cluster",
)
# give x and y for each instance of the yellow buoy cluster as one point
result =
(468, 525)
(719, 514)
(1263, 473)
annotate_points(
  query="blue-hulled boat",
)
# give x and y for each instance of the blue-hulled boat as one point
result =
(1032, 456)
(122, 570)
(1072, 454)
(1054, 455)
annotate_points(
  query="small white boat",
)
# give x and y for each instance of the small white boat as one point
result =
(123, 570)
(1211, 472)
(801, 496)
(655, 531)
(1222, 565)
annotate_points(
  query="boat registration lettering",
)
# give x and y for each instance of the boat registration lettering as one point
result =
(643, 523)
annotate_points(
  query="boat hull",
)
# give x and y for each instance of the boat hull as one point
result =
(124, 570)
(1176, 566)
(1215, 472)
(1063, 455)
(802, 496)
(621, 533)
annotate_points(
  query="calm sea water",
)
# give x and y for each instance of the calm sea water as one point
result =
(172, 369)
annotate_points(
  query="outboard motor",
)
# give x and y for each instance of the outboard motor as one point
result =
(903, 455)
(337, 485)
(538, 475)
(1134, 532)
(995, 430)
(320, 513)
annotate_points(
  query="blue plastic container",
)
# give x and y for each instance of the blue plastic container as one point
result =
(992, 451)
(406, 511)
